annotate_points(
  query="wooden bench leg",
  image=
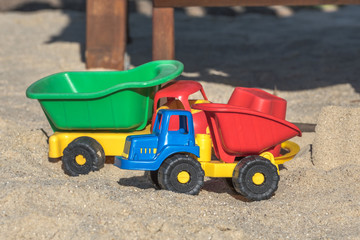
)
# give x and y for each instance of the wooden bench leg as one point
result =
(106, 33)
(163, 34)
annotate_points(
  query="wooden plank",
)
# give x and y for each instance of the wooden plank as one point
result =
(163, 34)
(248, 3)
(105, 33)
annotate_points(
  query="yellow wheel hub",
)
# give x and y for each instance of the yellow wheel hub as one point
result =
(183, 177)
(80, 160)
(258, 178)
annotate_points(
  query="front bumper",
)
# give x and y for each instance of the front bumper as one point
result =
(125, 163)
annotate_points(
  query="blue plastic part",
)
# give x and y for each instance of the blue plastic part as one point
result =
(147, 152)
(152, 164)
(142, 147)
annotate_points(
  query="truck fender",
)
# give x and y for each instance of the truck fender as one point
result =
(171, 150)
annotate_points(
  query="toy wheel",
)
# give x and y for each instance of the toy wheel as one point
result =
(152, 176)
(182, 174)
(83, 155)
(255, 178)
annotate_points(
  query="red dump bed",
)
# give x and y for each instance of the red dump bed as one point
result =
(239, 131)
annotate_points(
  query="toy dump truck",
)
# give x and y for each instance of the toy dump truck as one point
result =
(245, 139)
(92, 113)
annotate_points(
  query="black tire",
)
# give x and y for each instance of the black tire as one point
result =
(244, 179)
(173, 167)
(152, 176)
(92, 153)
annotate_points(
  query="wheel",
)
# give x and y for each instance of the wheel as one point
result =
(83, 155)
(152, 176)
(255, 178)
(182, 174)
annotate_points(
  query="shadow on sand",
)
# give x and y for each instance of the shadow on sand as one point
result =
(307, 50)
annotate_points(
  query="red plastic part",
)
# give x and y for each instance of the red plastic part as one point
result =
(238, 131)
(258, 100)
(181, 90)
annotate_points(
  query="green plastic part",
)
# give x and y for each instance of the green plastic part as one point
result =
(103, 100)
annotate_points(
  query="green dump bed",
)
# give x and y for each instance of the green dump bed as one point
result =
(106, 100)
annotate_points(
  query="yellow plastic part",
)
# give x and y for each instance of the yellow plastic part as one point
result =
(162, 107)
(207, 130)
(216, 168)
(183, 177)
(112, 142)
(204, 142)
(80, 160)
(269, 156)
(125, 155)
(292, 149)
(258, 178)
(192, 102)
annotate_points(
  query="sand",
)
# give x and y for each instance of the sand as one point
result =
(333, 122)
(310, 58)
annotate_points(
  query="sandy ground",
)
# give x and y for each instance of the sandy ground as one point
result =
(311, 58)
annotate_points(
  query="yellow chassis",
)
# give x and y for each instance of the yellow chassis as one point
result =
(112, 142)
(113, 145)
(216, 168)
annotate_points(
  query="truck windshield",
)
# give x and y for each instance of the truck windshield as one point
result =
(176, 123)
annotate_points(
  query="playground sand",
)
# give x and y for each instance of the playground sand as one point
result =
(311, 59)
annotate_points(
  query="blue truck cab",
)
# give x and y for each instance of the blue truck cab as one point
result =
(172, 133)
